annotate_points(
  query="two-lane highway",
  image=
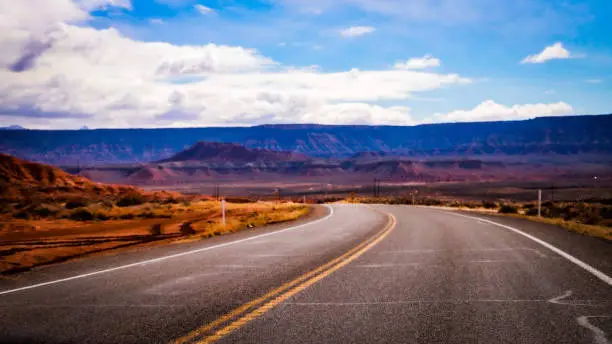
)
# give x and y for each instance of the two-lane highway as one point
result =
(392, 274)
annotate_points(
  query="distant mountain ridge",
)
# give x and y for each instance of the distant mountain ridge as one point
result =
(13, 127)
(540, 136)
(221, 152)
(213, 162)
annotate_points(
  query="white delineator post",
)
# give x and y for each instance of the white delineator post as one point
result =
(539, 203)
(223, 210)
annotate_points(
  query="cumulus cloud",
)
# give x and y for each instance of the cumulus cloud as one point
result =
(356, 31)
(203, 9)
(492, 111)
(553, 52)
(424, 62)
(55, 68)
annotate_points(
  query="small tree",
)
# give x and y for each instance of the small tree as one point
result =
(508, 209)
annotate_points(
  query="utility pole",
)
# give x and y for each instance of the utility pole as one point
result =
(304, 199)
(552, 192)
(376, 188)
(539, 202)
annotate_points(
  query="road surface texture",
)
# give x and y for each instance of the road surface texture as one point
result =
(360, 274)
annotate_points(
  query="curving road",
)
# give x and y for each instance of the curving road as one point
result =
(356, 274)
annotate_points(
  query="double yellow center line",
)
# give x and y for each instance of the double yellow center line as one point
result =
(240, 316)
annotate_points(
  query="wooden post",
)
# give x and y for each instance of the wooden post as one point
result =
(223, 210)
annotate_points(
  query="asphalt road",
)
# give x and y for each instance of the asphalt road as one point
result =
(392, 274)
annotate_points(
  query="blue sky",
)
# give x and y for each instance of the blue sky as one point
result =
(479, 50)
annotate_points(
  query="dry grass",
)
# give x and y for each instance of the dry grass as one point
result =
(29, 243)
(597, 231)
(592, 219)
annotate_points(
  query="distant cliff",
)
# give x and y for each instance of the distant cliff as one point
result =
(573, 135)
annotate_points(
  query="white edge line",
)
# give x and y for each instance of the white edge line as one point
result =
(599, 336)
(563, 254)
(159, 259)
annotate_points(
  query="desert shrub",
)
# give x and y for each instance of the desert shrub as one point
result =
(22, 214)
(471, 205)
(187, 228)
(531, 212)
(130, 200)
(76, 203)
(82, 214)
(606, 222)
(156, 229)
(549, 209)
(431, 201)
(528, 206)
(331, 199)
(399, 200)
(106, 204)
(45, 211)
(6, 208)
(128, 216)
(147, 215)
(508, 209)
(591, 217)
(101, 215)
(606, 212)
(238, 200)
(489, 205)
(171, 200)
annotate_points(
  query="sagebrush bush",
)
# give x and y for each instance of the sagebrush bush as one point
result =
(76, 203)
(508, 209)
(82, 214)
(101, 215)
(607, 223)
(45, 211)
(130, 200)
(489, 205)
(6, 208)
(22, 214)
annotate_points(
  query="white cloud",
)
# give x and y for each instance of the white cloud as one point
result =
(57, 73)
(553, 52)
(550, 92)
(356, 31)
(156, 21)
(203, 9)
(492, 111)
(89, 5)
(594, 81)
(424, 62)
